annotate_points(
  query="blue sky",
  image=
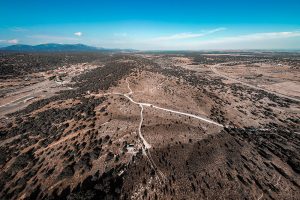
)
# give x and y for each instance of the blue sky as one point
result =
(175, 25)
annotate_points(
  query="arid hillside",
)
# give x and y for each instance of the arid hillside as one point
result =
(150, 126)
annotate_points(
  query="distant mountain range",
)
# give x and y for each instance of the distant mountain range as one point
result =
(53, 47)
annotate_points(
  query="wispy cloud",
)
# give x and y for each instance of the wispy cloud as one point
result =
(13, 41)
(180, 36)
(51, 38)
(18, 29)
(121, 34)
(255, 37)
(265, 40)
(78, 34)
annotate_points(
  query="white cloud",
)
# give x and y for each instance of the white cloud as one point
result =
(78, 34)
(264, 40)
(51, 38)
(18, 29)
(254, 37)
(180, 36)
(13, 41)
(120, 34)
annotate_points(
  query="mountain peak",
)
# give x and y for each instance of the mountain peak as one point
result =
(51, 47)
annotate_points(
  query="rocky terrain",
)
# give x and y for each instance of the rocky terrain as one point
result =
(150, 126)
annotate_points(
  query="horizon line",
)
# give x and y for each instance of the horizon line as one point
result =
(194, 50)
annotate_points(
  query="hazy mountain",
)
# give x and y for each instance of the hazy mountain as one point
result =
(53, 47)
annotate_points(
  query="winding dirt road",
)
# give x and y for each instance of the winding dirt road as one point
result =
(146, 146)
(141, 105)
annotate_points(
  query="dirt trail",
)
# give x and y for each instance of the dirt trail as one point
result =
(141, 105)
(146, 146)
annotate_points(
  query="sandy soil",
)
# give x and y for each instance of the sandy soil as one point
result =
(38, 87)
(209, 137)
(282, 79)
